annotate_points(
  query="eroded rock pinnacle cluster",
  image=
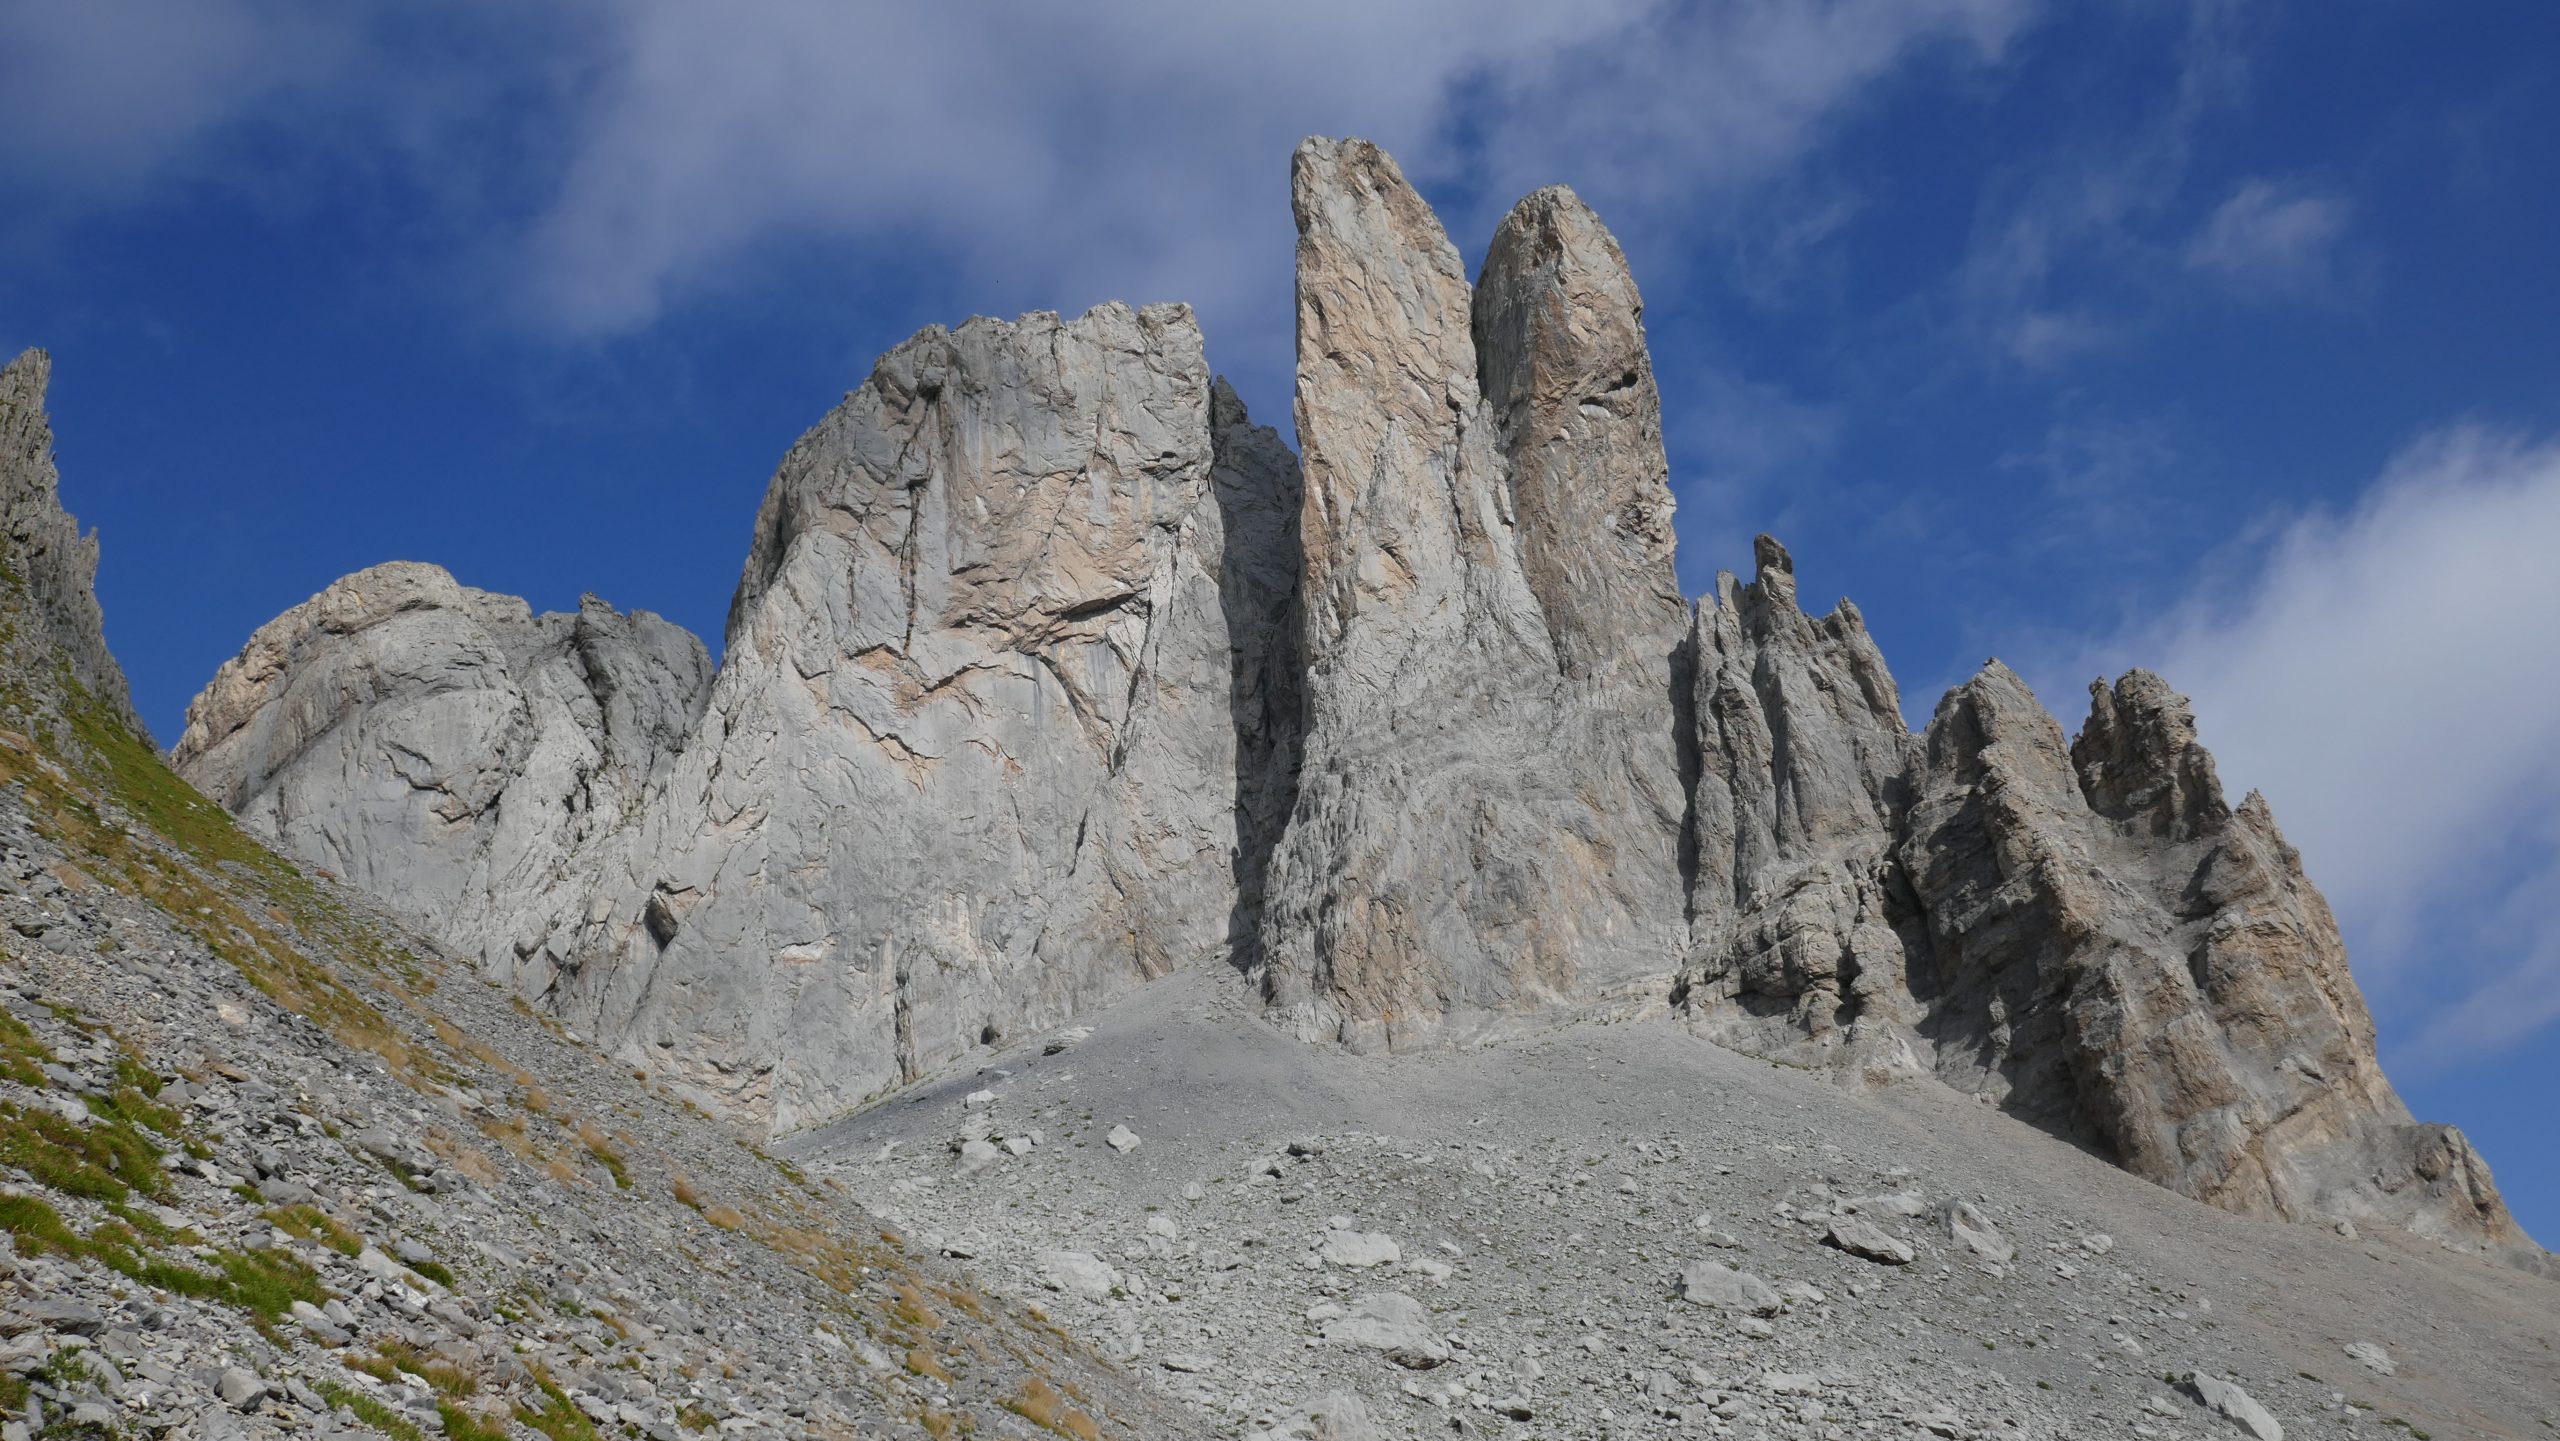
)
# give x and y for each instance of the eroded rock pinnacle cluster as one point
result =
(1049, 673)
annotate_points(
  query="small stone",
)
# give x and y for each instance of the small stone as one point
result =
(978, 1100)
(1080, 1272)
(1712, 1283)
(1972, 1230)
(1122, 1139)
(1359, 1249)
(2233, 1405)
(1861, 1238)
(1392, 1322)
(240, 1389)
(2372, 1357)
(1788, 1383)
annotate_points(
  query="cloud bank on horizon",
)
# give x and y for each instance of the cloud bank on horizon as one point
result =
(2374, 656)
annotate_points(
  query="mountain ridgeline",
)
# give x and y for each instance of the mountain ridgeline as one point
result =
(1049, 673)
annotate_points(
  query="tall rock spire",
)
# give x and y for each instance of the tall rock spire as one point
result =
(1560, 339)
(1478, 836)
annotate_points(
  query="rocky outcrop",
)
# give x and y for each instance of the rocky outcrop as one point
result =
(993, 731)
(2119, 954)
(47, 557)
(1803, 927)
(1049, 673)
(1487, 819)
(2086, 934)
(447, 749)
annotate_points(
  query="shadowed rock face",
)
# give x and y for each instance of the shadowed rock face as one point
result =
(2086, 935)
(1049, 672)
(48, 555)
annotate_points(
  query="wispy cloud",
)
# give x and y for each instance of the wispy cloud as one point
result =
(662, 150)
(2080, 225)
(2271, 239)
(2383, 675)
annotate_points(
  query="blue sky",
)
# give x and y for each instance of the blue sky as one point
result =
(2214, 337)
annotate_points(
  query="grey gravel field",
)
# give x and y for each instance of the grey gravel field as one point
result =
(1540, 1201)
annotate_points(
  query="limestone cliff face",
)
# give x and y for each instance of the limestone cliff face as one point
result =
(449, 750)
(974, 757)
(1802, 925)
(1487, 819)
(47, 555)
(1049, 672)
(2118, 953)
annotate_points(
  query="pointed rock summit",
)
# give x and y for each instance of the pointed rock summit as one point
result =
(50, 565)
(1049, 673)
(1488, 810)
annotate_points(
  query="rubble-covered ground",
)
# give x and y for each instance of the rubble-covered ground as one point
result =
(1624, 1231)
(270, 1168)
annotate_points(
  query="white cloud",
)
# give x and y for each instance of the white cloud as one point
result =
(2271, 239)
(96, 98)
(644, 154)
(1138, 150)
(2386, 676)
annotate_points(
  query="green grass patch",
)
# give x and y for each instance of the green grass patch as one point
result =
(461, 1425)
(558, 1417)
(22, 1055)
(318, 1227)
(106, 1160)
(263, 1283)
(371, 1412)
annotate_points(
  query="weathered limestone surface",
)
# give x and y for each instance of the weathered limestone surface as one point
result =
(2084, 934)
(1803, 925)
(52, 559)
(1049, 673)
(2119, 953)
(447, 749)
(974, 759)
(1487, 818)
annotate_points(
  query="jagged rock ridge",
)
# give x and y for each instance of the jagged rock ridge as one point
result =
(1049, 673)
(47, 554)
